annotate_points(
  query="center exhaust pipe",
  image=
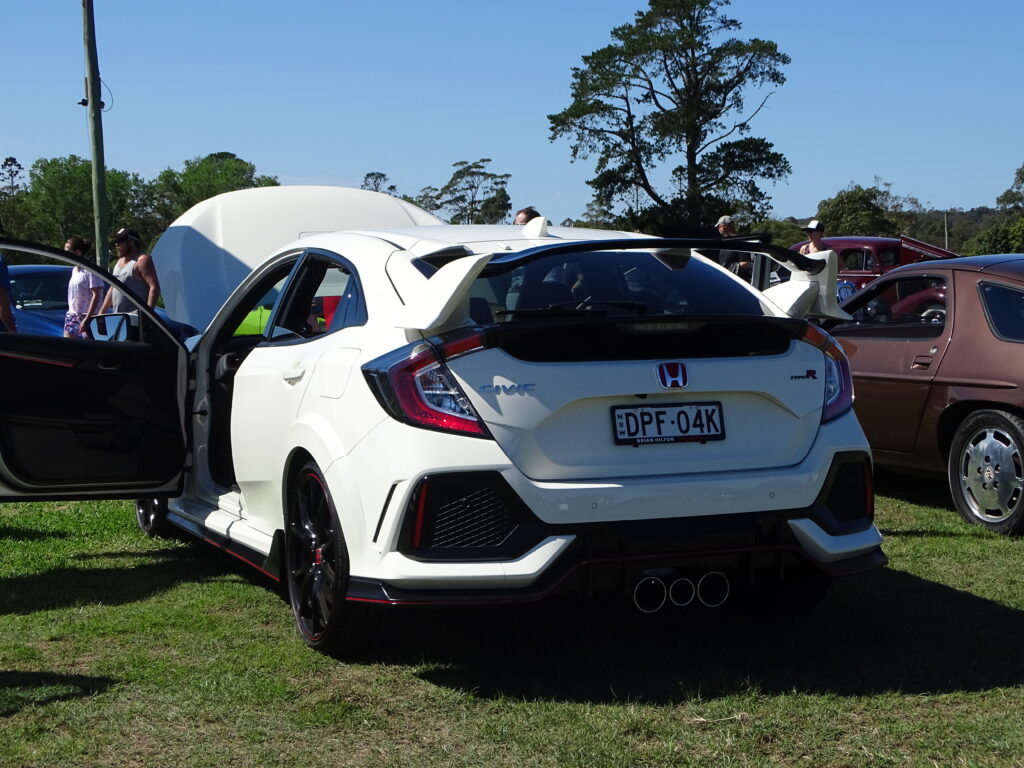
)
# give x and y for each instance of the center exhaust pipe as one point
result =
(649, 594)
(713, 589)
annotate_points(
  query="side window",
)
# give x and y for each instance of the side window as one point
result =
(254, 322)
(852, 258)
(322, 297)
(912, 307)
(1004, 309)
(889, 257)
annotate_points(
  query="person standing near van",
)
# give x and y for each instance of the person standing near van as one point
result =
(136, 270)
(85, 292)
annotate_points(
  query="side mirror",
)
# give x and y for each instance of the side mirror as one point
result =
(109, 328)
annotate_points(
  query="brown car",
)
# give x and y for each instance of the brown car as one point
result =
(937, 355)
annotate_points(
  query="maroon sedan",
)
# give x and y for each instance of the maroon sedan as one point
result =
(862, 259)
(937, 353)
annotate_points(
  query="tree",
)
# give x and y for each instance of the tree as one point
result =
(375, 181)
(428, 198)
(474, 195)
(58, 202)
(1013, 198)
(857, 210)
(200, 179)
(12, 192)
(672, 87)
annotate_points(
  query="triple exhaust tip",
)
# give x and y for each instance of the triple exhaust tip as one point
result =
(652, 593)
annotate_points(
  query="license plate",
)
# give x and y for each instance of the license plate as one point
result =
(669, 423)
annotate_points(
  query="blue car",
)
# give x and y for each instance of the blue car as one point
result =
(39, 300)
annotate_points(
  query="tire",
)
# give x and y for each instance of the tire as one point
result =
(317, 569)
(986, 471)
(151, 516)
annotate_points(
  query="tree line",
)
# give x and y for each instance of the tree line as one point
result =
(668, 94)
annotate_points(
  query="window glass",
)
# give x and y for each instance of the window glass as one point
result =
(607, 283)
(913, 307)
(852, 258)
(889, 257)
(1004, 308)
(322, 297)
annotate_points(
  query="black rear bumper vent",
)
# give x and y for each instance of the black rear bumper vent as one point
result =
(846, 498)
(467, 516)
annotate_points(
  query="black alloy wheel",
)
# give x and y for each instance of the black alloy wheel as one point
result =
(318, 568)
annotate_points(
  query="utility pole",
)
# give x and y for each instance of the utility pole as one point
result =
(99, 169)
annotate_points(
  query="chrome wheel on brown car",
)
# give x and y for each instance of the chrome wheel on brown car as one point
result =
(986, 470)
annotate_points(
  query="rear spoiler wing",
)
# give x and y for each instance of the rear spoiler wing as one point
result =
(433, 291)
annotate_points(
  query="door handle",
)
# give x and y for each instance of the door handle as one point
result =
(109, 366)
(293, 375)
(921, 362)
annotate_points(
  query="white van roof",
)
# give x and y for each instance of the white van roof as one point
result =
(209, 249)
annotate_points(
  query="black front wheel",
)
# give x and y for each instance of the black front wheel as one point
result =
(318, 569)
(986, 471)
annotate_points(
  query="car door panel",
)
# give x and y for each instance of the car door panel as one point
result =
(87, 418)
(895, 349)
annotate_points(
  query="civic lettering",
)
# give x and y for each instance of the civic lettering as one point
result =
(507, 389)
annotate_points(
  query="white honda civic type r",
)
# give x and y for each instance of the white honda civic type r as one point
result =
(391, 410)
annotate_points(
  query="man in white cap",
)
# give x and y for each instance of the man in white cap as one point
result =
(815, 231)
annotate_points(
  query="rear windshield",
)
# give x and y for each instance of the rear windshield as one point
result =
(608, 283)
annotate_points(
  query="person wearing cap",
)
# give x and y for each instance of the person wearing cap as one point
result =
(6, 315)
(737, 262)
(136, 270)
(815, 231)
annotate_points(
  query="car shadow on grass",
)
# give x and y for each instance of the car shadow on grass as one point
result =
(156, 572)
(880, 632)
(34, 689)
(928, 491)
(16, 533)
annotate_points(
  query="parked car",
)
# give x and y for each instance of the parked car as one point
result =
(438, 414)
(935, 349)
(39, 300)
(39, 297)
(862, 259)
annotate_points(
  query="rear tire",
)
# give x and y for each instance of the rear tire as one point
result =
(151, 516)
(317, 569)
(986, 471)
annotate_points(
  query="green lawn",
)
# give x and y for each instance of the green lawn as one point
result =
(122, 651)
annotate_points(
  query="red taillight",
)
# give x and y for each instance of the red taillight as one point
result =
(422, 390)
(838, 380)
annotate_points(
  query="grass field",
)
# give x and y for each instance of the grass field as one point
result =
(116, 650)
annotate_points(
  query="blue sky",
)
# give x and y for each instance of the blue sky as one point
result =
(925, 95)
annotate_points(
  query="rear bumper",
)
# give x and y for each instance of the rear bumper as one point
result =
(834, 534)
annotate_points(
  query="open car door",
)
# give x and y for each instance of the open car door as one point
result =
(99, 417)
